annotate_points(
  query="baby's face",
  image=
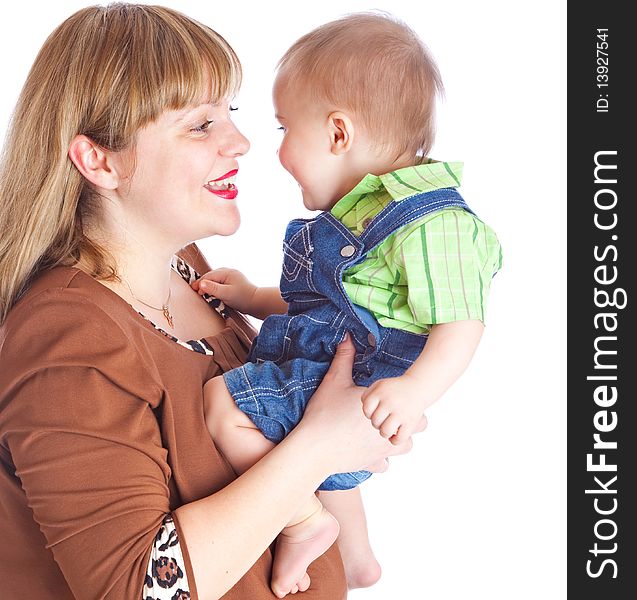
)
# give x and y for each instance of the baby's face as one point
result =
(306, 148)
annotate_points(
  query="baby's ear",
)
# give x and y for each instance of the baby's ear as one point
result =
(341, 130)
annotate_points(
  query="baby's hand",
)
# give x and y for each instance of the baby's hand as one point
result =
(394, 406)
(230, 286)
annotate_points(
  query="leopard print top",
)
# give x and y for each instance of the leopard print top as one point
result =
(165, 577)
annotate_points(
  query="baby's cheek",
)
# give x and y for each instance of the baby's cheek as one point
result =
(283, 153)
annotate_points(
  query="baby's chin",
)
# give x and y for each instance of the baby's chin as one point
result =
(313, 203)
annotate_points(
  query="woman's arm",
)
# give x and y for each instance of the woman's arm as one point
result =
(77, 423)
(77, 420)
(226, 533)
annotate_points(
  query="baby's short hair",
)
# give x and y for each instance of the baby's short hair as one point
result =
(376, 66)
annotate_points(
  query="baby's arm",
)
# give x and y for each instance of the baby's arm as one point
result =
(395, 405)
(233, 288)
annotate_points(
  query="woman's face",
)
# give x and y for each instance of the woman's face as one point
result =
(183, 184)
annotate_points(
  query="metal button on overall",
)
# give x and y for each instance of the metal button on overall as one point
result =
(371, 340)
(347, 251)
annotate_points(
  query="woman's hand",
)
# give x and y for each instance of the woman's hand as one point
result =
(226, 533)
(335, 423)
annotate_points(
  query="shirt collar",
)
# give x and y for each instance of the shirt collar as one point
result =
(403, 183)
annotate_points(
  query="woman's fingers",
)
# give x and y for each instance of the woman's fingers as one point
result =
(335, 422)
(343, 362)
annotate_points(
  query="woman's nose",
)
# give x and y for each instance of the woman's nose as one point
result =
(235, 144)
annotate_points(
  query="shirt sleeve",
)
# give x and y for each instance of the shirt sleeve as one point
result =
(77, 418)
(448, 261)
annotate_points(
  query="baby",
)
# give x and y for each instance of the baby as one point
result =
(396, 259)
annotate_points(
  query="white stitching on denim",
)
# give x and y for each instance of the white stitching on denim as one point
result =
(394, 356)
(288, 339)
(308, 277)
(339, 334)
(407, 218)
(297, 263)
(315, 300)
(250, 391)
(429, 207)
(239, 396)
(299, 231)
(367, 234)
(360, 243)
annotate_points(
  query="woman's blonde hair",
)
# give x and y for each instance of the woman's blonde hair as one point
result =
(376, 66)
(106, 72)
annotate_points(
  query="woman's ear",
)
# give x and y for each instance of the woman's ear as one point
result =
(341, 132)
(93, 162)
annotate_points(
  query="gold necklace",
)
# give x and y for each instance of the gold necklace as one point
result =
(164, 309)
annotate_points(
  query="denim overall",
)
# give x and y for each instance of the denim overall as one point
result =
(292, 352)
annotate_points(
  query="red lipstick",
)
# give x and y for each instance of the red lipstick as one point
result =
(227, 175)
(229, 194)
(224, 186)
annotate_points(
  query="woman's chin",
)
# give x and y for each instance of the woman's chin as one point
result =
(226, 228)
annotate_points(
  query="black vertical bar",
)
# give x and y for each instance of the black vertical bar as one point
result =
(602, 266)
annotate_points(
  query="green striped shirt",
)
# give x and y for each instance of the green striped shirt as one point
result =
(437, 269)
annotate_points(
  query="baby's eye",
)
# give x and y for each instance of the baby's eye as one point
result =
(203, 127)
(281, 128)
(233, 108)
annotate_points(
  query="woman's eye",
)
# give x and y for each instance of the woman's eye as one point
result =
(281, 128)
(233, 108)
(203, 127)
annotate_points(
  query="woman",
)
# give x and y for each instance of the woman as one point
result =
(121, 151)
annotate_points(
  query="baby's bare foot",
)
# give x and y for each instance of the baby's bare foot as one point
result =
(297, 547)
(361, 571)
(302, 585)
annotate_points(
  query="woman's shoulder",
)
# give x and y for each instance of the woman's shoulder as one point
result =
(67, 318)
(63, 284)
(60, 296)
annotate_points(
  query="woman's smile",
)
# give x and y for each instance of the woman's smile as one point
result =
(224, 186)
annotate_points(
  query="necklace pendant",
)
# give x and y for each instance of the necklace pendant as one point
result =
(167, 315)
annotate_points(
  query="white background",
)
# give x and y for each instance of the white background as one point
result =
(478, 509)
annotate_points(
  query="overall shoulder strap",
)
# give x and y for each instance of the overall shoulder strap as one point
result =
(398, 214)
